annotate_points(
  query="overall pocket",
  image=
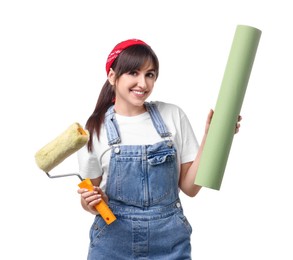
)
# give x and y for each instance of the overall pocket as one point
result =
(97, 230)
(163, 176)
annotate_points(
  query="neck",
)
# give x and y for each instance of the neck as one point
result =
(129, 111)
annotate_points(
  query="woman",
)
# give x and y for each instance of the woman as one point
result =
(139, 156)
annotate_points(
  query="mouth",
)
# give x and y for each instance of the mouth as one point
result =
(138, 93)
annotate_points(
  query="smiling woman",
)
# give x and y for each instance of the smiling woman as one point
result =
(138, 157)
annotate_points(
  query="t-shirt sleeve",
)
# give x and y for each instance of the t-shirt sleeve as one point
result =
(89, 166)
(189, 143)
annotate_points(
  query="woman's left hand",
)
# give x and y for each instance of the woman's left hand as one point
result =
(238, 124)
(209, 119)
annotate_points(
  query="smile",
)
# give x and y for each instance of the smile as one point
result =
(138, 92)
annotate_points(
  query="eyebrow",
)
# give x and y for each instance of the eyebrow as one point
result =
(149, 70)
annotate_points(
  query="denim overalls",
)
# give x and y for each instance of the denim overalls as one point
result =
(142, 187)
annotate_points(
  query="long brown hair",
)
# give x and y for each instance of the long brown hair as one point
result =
(131, 59)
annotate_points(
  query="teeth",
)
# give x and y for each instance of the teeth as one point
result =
(138, 92)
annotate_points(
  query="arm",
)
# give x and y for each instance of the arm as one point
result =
(188, 170)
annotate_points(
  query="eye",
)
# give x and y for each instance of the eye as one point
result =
(151, 75)
(133, 73)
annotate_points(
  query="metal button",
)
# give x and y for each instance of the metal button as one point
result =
(96, 227)
(117, 150)
(178, 205)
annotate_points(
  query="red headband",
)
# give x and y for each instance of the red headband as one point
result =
(118, 49)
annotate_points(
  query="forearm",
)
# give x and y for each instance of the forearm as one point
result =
(188, 173)
(189, 170)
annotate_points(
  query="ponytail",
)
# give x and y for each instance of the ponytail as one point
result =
(93, 124)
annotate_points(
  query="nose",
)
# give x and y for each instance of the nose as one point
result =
(141, 81)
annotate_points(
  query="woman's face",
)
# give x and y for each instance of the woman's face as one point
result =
(132, 89)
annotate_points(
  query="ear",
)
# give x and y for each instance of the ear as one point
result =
(111, 77)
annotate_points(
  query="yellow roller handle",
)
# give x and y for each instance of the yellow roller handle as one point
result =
(102, 207)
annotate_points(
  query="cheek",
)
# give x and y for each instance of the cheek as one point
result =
(151, 83)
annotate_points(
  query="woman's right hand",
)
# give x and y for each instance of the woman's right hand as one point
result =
(90, 199)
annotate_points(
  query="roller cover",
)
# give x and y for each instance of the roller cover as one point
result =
(61, 147)
(230, 98)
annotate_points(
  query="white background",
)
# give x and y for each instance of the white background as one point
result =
(52, 61)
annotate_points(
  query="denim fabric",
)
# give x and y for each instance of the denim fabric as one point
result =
(143, 176)
(158, 234)
(142, 187)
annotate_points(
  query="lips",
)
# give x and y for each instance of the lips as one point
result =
(140, 93)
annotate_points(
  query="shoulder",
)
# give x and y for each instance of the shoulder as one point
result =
(169, 109)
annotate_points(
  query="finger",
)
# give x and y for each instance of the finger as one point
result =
(95, 200)
(99, 190)
(81, 191)
(237, 128)
(91, 198)
(88, 195)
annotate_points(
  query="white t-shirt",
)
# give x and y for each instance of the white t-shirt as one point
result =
(139, 130)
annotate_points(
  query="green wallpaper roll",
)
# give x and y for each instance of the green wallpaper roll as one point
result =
(230, 98)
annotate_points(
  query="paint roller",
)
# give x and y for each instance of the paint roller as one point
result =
(64, 145)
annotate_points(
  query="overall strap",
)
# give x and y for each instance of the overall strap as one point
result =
(112, 126)
(157, 119)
